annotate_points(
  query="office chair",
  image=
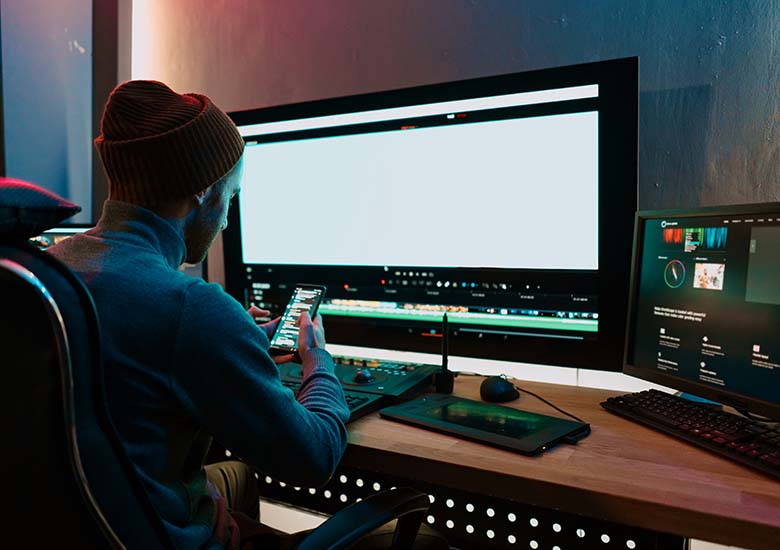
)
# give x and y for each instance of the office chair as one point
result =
(69, 475)
(70, 480)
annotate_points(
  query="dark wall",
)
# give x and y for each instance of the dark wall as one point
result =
(710, 82)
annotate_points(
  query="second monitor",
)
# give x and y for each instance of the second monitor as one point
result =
(705, 304)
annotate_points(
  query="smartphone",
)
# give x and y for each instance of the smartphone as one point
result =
(304, 298)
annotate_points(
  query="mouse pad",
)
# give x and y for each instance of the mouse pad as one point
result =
(505, 427)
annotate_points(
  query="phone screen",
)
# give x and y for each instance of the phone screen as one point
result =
(304, 298)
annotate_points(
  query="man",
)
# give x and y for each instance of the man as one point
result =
(183, 360)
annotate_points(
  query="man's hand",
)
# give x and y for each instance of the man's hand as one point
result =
(311, 336)
(269, 328)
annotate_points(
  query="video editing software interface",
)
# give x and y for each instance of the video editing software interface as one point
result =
(708, 302)
(484, 207)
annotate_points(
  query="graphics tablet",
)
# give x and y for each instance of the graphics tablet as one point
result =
(512, 429)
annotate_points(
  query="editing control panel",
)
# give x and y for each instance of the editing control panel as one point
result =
(391, 378)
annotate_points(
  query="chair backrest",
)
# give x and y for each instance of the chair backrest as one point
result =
(71, 481)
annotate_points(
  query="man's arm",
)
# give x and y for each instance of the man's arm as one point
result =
(225, 375)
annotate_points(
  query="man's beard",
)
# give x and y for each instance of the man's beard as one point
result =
(203, 232)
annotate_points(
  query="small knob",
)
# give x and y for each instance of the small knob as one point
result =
(363, 376)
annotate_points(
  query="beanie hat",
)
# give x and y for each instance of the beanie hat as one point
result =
(159, 146)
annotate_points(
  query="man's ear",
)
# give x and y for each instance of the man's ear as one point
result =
(200, 196)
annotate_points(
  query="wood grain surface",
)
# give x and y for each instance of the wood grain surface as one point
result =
(622, 472)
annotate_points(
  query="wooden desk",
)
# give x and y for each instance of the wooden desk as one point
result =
(623, 472)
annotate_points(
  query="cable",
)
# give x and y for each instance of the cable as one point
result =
(543, 400)
(755, 417)
(518, 388)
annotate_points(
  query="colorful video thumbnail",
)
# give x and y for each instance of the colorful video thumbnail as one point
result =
(673, 235)
(709, 276)
(696, 238)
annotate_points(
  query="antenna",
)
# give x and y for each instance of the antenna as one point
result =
(444, 379)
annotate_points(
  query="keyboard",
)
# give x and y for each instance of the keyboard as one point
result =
(359, 404)
(746, 441)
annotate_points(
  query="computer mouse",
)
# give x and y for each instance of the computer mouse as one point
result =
(497, 389)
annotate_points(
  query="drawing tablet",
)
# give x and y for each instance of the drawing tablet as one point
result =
(512, 429)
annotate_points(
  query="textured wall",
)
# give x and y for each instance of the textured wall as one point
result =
(47, 95)
(710, 69)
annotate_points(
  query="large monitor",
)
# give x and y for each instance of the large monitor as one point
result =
(505, 201)
(705, 304)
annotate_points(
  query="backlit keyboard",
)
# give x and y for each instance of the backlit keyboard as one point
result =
(746, 441)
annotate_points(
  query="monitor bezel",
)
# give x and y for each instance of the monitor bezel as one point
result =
(736, 400)
(618, 104)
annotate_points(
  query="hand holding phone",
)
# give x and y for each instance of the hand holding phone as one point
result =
(312, 336)
(261, 317)
(305, 298)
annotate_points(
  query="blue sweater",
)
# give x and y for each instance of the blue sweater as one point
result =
(184, 362)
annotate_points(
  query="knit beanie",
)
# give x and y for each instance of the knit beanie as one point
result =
(159, 146)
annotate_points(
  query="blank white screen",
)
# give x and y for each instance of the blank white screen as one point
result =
(519, 193)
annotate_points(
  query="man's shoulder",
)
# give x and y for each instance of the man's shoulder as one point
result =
(201, 294)
(200, 287)
(65, 248)
(211, 312)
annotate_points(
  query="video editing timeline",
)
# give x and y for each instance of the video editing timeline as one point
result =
(286, 335)
(708, 306)
(419, 301)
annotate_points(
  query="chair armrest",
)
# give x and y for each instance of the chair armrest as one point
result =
(357, 520)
